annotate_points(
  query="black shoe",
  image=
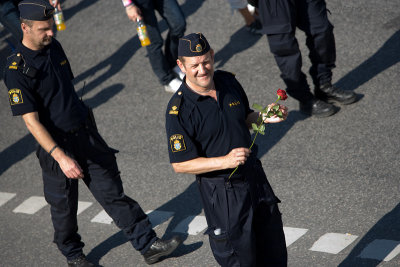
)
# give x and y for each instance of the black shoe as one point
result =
(161, 248)
(317, 108)
(81, 261)
(328, 92)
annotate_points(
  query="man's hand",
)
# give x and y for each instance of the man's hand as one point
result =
(56, 4)
(276, 119)
(236, 157)
(133, 12)
(69, 166)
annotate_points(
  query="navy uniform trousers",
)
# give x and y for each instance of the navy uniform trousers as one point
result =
(102, 178)
(246, 212)
(280, 19)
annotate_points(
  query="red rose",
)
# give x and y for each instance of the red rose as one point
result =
(282, 94)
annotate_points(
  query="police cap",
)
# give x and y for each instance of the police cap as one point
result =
(192, 45)
(39, 10)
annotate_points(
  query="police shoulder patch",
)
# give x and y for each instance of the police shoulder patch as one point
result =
(177, 143)
(15, 96)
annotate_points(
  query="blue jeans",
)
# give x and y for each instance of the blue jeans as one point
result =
(9, 17)
(163, 62)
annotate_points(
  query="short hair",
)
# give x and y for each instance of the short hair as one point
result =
(181, 59)
(26, 21)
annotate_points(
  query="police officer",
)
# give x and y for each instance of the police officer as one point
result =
(280, 19)
(207, 123)
(38, 78)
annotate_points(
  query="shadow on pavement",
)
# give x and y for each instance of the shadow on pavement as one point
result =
(387, 56)
(379, 241)
(239, 41)
(183, 205)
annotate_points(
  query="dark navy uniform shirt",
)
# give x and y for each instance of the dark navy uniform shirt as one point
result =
(50, 93)
(199, 126)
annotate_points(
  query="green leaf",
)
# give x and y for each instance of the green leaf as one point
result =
(261, 132)
(261, 128)
(265, 110)
(270, 114)
(280, 115)
(257, 107)
(255, 127)
(275, 108)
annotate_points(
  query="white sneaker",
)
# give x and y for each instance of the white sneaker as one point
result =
(173, 85)
(178, 72)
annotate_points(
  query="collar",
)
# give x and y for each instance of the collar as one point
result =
(27, 52)
(191, 94)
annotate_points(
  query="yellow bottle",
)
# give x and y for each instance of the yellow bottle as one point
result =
(59, 19)
(142, 33)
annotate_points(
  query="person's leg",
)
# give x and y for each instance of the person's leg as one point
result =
(158, 61)
(270, 238)
(103, 180)
(9, 17)
(229, 215)
(313, 20)
(173, 15)
(62, 195)
(278, 19)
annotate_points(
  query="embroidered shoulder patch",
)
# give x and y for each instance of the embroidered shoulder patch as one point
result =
(174, 110)
(15, 96)
(177, 143)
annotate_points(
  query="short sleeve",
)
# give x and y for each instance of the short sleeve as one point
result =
(20, 93)
(180, 139)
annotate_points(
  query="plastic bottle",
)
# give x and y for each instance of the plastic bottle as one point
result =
(59, 18)
(142, 33)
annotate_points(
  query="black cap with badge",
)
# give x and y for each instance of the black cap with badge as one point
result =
(39, 10)
(192, 45)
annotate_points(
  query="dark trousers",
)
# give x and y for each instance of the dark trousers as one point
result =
(169, 10)
(246, 212)
(102, 178)
(9, 17)
(280, 19)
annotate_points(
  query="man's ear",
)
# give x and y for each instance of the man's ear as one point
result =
(212, 54)
(24, 27)
(181, 66)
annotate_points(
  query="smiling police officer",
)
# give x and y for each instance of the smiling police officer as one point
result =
(38, 78)
(207, 124)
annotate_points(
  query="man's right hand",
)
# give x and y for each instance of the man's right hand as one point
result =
(68, 165)
(236, 157)
(133, 12)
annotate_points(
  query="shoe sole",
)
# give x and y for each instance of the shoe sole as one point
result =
(156, 258)
(334, 100)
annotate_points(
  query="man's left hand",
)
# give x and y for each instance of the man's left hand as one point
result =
(275, 118)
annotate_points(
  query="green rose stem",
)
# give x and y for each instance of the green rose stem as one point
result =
(263, 111)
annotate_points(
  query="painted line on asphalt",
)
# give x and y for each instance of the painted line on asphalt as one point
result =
(292, 234)
(191, 225)
(82, 205)
(333, 242)
(31, 205)
(158, 217)
(381, 249)
(4, 197)
(102, 217)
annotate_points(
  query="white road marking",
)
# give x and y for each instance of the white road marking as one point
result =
(102, 217)
(4, 197)
(192, 225)
(381, 249)
(292, 234)
(333, 242)
(158, 217)
(31, 205)
(82, 205)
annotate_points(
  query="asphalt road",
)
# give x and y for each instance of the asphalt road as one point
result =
(335, 175)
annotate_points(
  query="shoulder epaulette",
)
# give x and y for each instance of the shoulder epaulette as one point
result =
(16, 61)
(176, 103)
